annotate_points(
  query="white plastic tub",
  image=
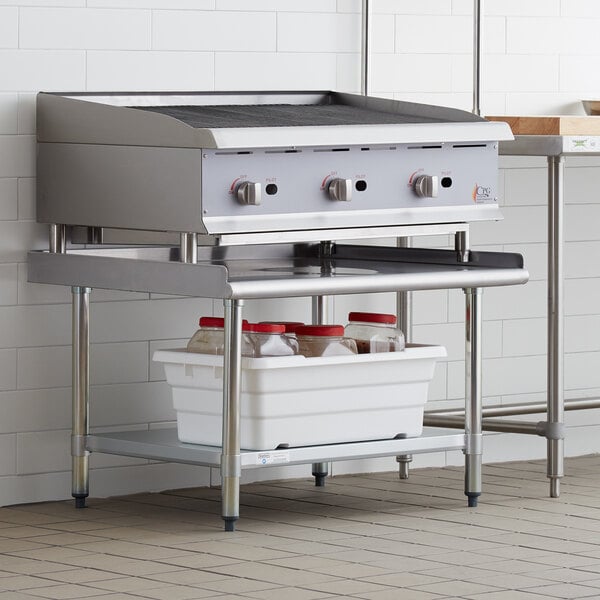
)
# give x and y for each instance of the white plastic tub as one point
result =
(297, 401)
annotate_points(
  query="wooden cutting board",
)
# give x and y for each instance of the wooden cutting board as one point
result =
(549, 125)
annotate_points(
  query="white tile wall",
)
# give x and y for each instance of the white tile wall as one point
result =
(26, 198)
(84, 28)
(8, 199)
(9, 27)
(50, 366)
(183, 4)
(56, 447)
(8, 113)
(313, 32)
(17, 155)
(579, 8)
(142, 70)
(421, 53)
(428, 7)
(35, 410)
(214, 31)
(8, 284)
(8, 369)
(26, 113)
(523, 7)
(277, 5)
(34, 70)
(255, 70)
(581, 296)
(8, 454)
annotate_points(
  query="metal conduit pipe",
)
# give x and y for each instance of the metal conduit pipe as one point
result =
(504, 426)
(365, 48)
(477, 14)
(510, 410)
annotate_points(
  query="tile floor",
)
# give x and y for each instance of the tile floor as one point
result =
(369, 536)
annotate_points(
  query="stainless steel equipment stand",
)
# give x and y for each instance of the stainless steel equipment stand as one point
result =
(325, 269)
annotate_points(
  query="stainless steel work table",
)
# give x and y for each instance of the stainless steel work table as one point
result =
(555, 148)
(270, 271)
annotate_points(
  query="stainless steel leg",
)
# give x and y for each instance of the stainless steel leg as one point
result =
(80, 483)
(473, 426)
(555, 447)
(57, 238)
(404, 314)
(320, 314)
(232, 380)
(188, 248)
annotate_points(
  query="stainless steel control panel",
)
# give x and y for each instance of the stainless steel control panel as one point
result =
(273, 189)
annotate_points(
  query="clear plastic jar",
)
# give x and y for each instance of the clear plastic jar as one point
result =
(324, 340)
(210, 337)
(269, 339)
(374, 332)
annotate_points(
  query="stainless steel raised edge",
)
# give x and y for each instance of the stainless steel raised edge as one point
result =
(215, 280)
(74, 118)
(130, 274)
(162, 444)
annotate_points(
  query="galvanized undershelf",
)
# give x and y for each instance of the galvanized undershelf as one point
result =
(162, 444)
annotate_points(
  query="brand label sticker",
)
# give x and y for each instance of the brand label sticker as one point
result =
(582, 145)
(481, 193)
(273, 458)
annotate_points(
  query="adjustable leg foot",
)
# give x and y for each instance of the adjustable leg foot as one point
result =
(404, 461)
(79, 501)
(554, 487)
(320, 472)
(472, 500)
(320, 480)
(229, 523)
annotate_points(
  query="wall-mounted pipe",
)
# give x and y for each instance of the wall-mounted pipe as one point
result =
(477, 19)
(365, 50)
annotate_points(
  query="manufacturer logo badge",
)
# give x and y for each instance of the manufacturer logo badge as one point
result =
(481, 193)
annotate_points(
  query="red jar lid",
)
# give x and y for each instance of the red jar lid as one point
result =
(267, 328)
(215, 322)
(290, 326)
(321, 330)
(211, 322)
(366, 317)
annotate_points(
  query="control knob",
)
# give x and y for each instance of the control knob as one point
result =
(340, 189)
(426, 186)
(248, 192)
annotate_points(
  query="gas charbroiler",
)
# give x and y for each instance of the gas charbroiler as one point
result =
(262, 187)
